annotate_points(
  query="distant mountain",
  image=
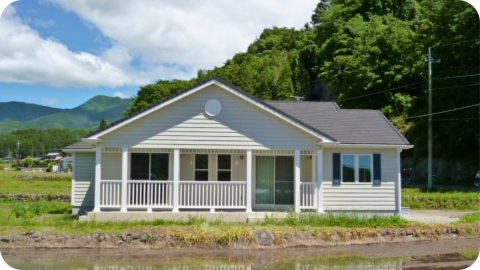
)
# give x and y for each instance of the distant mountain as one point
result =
(21, 111)
(19, 115)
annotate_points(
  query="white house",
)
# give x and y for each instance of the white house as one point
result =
(215, 147)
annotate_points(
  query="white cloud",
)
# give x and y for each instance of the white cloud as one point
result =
(25, 57)
(170, 38)
(191, 33)
(46, 100)
(122, 95)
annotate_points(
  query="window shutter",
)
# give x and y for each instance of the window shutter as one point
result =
(336, 168)
(377, 169)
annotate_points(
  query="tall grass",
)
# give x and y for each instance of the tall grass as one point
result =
(341, 219)
(444, 199)
(470, 218)
(10, 185)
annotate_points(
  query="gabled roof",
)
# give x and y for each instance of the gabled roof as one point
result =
(325, 118)
(347, 126)
(221, 83)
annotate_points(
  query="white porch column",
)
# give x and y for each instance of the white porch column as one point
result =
(124, 179)
(249, 181)
(98, 177)
(320, 180)
(398, 184)
(176, 179)
(72, 197)
(297, 180)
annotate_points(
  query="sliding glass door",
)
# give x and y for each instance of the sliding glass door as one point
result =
(274, 180)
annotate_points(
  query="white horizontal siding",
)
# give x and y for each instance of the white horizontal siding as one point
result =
(360, 196)
(84, 179)
(184, 124)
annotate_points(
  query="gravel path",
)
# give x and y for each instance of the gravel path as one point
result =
(437, 216)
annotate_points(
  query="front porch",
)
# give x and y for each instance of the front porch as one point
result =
(186, 181)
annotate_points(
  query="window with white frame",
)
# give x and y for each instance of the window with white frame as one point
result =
(201, 167)
(357, 168)
(224, 171)
(149, 166)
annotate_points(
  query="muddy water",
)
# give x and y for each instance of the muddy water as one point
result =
(437, 255)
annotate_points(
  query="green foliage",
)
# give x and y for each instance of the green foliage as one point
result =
(330, 219)
(2, 168)
(470, 218)
(1, 161)
(28, 161)
(32, 209)
(361, 47)
(445, 199)
(38, 143)
(39, 162)
(103, 124)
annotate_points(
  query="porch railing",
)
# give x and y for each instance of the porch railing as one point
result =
(228, 195)
(149, 194)
(110, 193)
(308, 195)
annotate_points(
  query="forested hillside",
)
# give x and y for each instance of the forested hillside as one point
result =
(370, 54)
(18, 115)
(37, 143)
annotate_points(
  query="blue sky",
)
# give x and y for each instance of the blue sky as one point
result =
(61, 53)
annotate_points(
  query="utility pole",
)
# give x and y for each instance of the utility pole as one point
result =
(18, 153)
(430, 140)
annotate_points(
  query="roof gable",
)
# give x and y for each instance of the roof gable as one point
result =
(202, 85)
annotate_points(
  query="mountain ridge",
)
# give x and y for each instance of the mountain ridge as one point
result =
(20, 115)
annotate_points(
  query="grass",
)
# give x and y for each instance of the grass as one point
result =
(442, 199)
(470, 218)
(342, 219)
(23, 216)
(10, 185)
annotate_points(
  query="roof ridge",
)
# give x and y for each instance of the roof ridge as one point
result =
(393, 127)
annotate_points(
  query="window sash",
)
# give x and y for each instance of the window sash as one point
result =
(367, 177)
(201, 167)
(224, 173)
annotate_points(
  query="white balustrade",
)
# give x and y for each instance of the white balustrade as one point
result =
(308, 195)
(110, 193)
(228, 195)
(145, 194)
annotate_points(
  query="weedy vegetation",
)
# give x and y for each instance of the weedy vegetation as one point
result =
(441, 199)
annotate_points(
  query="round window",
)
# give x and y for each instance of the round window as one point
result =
(213, 107)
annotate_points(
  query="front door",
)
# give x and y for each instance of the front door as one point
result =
(274, 180)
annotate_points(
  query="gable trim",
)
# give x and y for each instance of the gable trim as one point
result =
(233, 90)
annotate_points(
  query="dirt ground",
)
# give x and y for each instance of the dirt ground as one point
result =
(437, 216)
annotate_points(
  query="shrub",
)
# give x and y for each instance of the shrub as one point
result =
(28, 161)
(49, 169)
(39, 162)
(2, 168)
(1, 161)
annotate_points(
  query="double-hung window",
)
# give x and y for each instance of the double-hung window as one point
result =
(201, 167)
(224, 168)
(357, 168)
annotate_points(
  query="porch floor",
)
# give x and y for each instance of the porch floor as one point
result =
(228, 216)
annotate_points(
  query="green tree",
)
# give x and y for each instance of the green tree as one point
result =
(28, 162)
(103, 124)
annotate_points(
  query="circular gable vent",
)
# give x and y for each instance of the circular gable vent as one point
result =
(213, 107)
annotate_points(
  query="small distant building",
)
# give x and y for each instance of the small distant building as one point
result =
(8, 158)
(53, 156)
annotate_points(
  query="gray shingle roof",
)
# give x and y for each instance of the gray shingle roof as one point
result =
(80, 146)
(346, 126)
(325, 118)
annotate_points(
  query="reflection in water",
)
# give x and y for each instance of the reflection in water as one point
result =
(238, 260)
